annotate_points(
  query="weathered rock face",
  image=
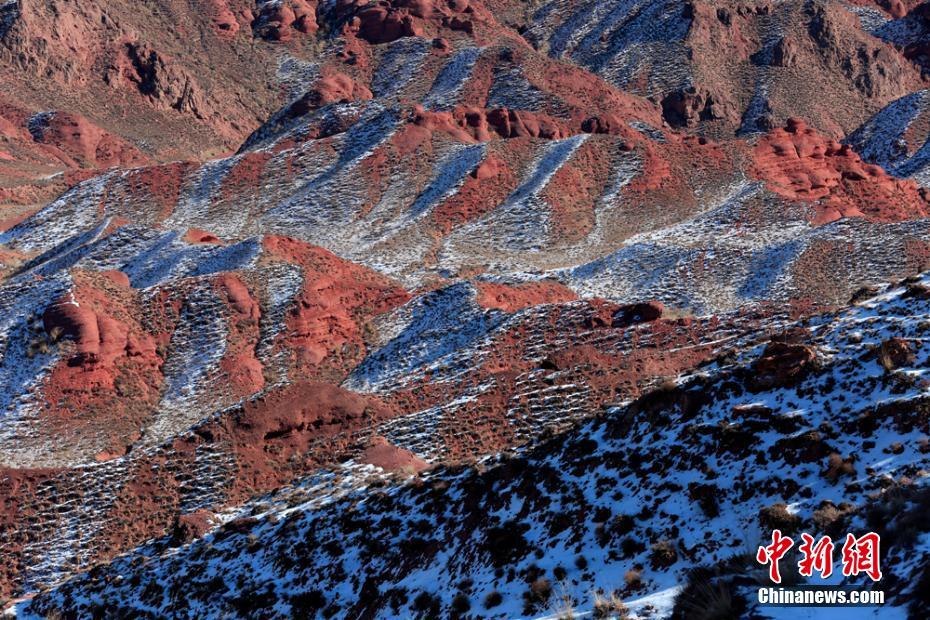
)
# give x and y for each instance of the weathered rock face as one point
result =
(733, 67)
(388, 20)
(381, 453)
(331, 88)
(159, 79)
(80, 143)
(781, 364)
(691, 106)
(163, 70)
(797, 162)
(876, 70)
(280, 21)
(274, 432)
(67, 318)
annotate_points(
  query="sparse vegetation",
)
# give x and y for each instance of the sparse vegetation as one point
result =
(608, 605)
(838, 467)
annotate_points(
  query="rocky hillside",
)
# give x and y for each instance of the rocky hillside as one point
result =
(821, 427)
(459, 307)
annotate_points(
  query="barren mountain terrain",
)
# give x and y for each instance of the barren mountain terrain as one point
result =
(459, 308)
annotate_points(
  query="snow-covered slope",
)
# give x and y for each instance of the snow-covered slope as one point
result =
(453, 275)
(813, 430)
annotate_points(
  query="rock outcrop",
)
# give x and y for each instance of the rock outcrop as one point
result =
(797, 162)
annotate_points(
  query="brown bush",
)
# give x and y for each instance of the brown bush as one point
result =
(838, 467)
(777, 517)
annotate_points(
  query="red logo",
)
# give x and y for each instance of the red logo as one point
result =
(817, 556)
(773, 553)
(859, 555)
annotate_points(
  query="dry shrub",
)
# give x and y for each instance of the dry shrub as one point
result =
(609, 606)
(633, 578)
(838, 467)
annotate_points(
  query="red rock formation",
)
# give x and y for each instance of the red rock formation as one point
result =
(63, 139)
(242, 367)
(688, 107)
(81, 143)
(196, 235)
(279, 427)
(471, 124)
(109, 378)
(223, 18)
(381, 453)
(512, 298)
(798, 163)
(158, 187)
(204, 86)
(332, 87)
(99, 339)
(279, 21)
(324, 329)
(781, 364)
(384, 21)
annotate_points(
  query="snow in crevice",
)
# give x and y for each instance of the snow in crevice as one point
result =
(197, 345)
(168, 257)
(198, 195)
(282, 283)
(66, 253)
(521, 222)
(626, 166)
(399, 64)
(449, 175)
(325, 199)
(880, 140)
(428, 331)
(443, 94)
(76, 210)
